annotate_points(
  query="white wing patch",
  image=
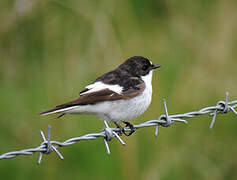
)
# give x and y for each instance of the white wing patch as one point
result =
(97, 86)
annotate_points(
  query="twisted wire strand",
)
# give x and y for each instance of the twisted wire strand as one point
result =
(165, 120)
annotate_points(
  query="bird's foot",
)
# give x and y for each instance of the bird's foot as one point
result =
(132, 128)
(121, 129)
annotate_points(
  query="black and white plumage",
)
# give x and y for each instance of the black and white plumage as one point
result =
(119, 95)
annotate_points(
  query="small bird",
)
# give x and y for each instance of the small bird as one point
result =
(119, 95)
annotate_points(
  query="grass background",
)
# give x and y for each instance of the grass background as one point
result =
(49, 50)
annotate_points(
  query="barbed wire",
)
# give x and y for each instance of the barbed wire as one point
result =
(165, 120)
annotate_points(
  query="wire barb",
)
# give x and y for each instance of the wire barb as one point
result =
(223, 108)
(48, 146)
(165, 120)
(109, 134)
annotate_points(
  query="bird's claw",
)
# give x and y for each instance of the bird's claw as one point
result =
(132, 128)
(122, 131)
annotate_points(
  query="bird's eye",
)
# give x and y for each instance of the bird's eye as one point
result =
(145, 67)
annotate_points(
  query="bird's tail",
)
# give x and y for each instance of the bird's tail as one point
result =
(62, 108)
(57, 109)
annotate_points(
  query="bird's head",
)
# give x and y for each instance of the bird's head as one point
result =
(138, 66)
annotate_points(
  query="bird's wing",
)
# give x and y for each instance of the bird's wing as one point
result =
(100, 92)
(110, 80)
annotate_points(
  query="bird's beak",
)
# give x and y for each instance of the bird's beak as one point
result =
(154, 66)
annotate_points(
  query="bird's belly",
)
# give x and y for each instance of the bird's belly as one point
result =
(125, 110)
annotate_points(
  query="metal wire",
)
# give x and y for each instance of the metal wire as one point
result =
(165, 120)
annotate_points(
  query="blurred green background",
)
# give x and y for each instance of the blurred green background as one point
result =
(50, 50)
